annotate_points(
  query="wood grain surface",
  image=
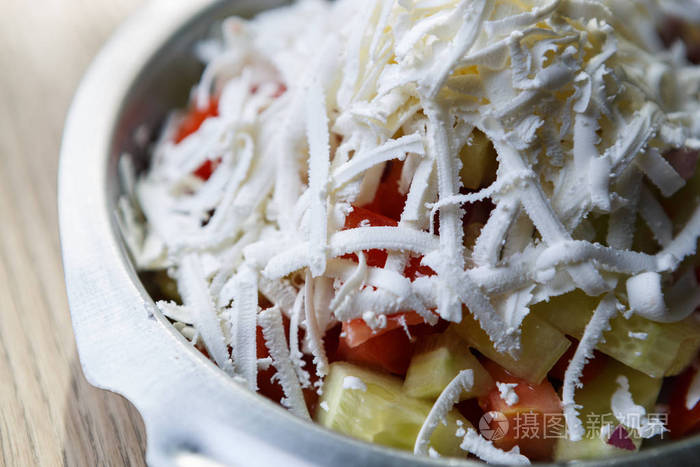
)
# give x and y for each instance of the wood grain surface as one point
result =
(49, 414)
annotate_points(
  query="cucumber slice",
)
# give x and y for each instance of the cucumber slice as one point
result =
(594, 398)
(541, 346)
(666, 351)
(595, 395)
(375, 409)
(479, 162)
(437, 359)
(587, 449)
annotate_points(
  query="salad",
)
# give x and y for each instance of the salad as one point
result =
(458, 227)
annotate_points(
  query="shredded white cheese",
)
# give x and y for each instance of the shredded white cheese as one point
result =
(693, 396)
(354, 383)
(584, 352)
(486, 451)
(273, 332)
(316, 100)
(243, 316)
(449, 396)
(642, 336)
(507, 392)
(632, 415)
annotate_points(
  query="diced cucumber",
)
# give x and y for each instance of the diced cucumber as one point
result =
(667, 349)
(541, 346)
(587, 449)
(377, 410)
(479, 161)
(437, 359)
(595, 394)
(595, 398)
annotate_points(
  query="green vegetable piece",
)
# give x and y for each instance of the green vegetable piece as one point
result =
(588, 449)
(541, 346)
(437, 359)
(595, 398)
(666, 350)
(372, 406)
(479, 161)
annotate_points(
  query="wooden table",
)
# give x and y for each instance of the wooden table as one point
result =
(49, 415)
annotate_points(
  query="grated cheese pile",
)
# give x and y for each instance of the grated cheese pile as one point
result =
(577, 97)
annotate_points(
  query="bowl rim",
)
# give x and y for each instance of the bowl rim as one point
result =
(116, 323)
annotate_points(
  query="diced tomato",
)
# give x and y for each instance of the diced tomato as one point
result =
(194, 119)
(592, 369)
(682, 421)
(388, 201)
(377, 258)
(207, 168)
(360, 216)
(357, 332)
(390, 351)
(526, 418)
(269, 386)
(414, 269)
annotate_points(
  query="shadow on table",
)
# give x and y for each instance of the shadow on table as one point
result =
(101, 427)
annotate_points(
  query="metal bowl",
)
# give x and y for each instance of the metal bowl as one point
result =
(125, 344)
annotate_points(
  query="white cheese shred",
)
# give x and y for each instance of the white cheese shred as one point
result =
(195, 295)
(244, 322)
(354, 383)
(572, 119)
(319, 161)
(485, 450)
(606, 310)
(692, 397)
(507, 392)
(314, 338)
(632, 415)
(273, 332)
(442, 406)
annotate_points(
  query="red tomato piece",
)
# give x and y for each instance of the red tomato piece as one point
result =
(389, 352)
(526, 418)
(207, 168)
(682, 421)
(194, 119)
(388, 201)
(414, 269)
(357, 332)
(360, 216)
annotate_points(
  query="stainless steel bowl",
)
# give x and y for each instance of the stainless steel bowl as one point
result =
(125, 344)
